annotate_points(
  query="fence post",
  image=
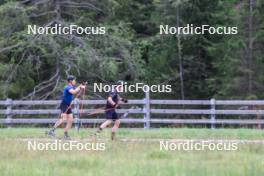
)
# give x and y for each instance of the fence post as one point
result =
(76, 112)
(9, 112)
(147, 111)
(212, 102)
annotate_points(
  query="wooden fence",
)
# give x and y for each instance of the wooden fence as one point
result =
(145, 107)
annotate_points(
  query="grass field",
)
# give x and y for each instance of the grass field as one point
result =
(133, 158)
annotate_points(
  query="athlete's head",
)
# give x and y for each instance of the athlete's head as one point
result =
(119, 86)
(71, 80)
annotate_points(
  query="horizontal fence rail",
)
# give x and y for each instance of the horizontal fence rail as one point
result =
(208, 111)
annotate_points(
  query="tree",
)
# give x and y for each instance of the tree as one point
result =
(43, 61)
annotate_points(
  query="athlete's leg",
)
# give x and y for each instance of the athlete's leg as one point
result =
(63, 117)
(69, 122)
(105, 124)
(108, 121)
(60, 121)
(116, 125)
(102, 126)
(68, 126)
(114, 129)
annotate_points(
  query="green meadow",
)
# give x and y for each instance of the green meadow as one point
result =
(132, 158)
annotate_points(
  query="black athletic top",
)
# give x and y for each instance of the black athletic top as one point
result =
(115, 96)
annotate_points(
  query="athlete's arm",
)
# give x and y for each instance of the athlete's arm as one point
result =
(78, 89)
(110, 100)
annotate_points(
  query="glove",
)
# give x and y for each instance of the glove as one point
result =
(84, 83)
(124, 100)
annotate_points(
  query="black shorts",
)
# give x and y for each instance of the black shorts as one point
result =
(111, 115)
(65, 109)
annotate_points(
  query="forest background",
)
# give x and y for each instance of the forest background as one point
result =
(197, 66)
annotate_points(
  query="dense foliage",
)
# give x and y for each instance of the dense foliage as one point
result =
(197, 66)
